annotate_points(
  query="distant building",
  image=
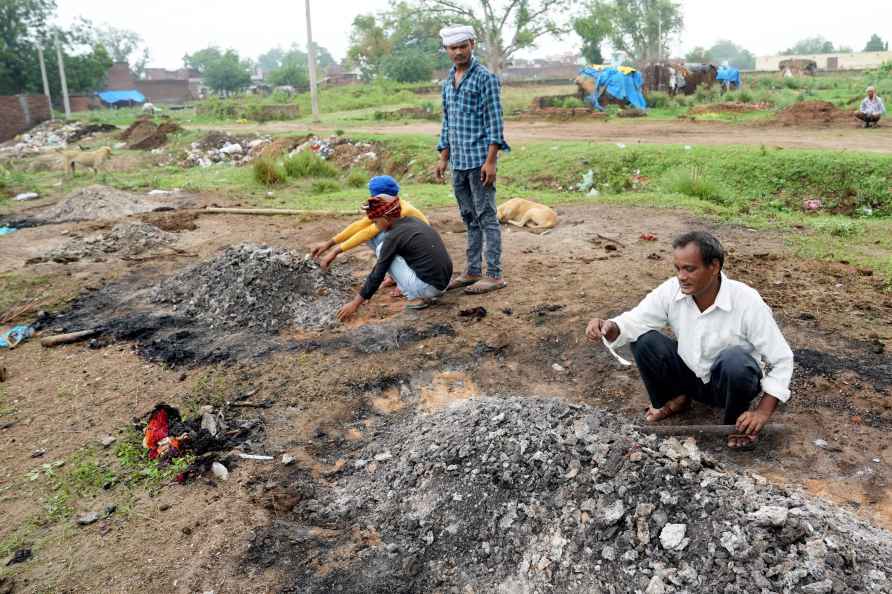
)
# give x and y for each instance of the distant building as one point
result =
(336, 75)
(177, 86)
(829, 62)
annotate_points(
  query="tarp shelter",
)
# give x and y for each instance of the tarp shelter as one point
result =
(119, 98)
(622, 83)
(728, 76)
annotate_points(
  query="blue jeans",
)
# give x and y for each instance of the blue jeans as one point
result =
(477, 205)
(734, 380)
(405, 278)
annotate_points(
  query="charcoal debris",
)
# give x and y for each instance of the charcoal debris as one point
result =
(477, 498)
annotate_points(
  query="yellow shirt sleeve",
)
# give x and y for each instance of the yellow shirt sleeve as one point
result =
(364, 229)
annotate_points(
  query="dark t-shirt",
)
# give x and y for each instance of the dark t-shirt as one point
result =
(422, 249)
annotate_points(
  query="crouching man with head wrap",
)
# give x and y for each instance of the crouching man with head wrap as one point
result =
(872, 109)
(412, 252)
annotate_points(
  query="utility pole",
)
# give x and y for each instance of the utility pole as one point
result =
(46, 84)
(62, 77)
(311, 51)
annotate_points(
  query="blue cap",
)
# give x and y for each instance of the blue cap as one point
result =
(383, 184)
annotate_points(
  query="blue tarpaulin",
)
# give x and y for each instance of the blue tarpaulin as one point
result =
(113, 97)
(729, 75)
(624, 85)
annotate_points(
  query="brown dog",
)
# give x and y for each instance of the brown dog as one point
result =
(526, 213)
(91, 159)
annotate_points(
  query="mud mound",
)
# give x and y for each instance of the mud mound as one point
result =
(124, 239)
(533, 495)
(171, 221)
(145, 134)
(96, 203)
(813, 112)
(258, 287)
(728, 107)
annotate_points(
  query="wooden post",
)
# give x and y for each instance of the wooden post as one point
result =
(46, 84)
(311, 55)
(62, 78)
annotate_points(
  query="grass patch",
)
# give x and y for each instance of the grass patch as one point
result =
(267, 172)
(16, 288)
(138, 469)
(357, 178)
(692, 182)
(325, 186)
(309, 164)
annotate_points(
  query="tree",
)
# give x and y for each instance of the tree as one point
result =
(293, 70)
(202, 58)
(698, 55)
(593, 28)
(22, 22)
(505, 28)
(735, 55)
(812, 45)
(876, 44)
(125, 46)
(408, 66)
(227, 73)
(641, 28)
(324, 59)
(369, 45)
(271, 59)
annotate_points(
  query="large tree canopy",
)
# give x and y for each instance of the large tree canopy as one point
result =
(724, 51)
(641, 29)
(125, 46)
(876, 44)
(811, 45)
(224, 72)
(593, 27)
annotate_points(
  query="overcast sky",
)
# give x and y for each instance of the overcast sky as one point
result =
(172, 28)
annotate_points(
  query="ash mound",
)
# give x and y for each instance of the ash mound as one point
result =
(534, 495)
(124, 239)
(257, 287)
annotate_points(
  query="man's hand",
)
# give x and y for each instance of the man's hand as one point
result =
(598, 328)
(325, 262)
(752, 421)
(440, 169)
(350, 308)
(488, 173)
(317, 249)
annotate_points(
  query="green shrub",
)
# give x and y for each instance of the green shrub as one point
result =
(793, 83)
(744, 97)
(325, 186)
(339, 132)
(267, 172)
(658, 100)
(357, 178)
(309, 164)
(681, 101)
(837, 226)
(692, 182)
(704, 95)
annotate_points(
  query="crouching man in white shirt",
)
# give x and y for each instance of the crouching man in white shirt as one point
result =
(722, 328)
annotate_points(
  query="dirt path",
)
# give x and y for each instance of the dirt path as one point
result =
(641, 131)
(329, 393)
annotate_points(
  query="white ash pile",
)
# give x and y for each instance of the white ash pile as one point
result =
(218, 147)
(53, 135)
(534, 495)
(124, 239)
(98, 203)
(257, 287)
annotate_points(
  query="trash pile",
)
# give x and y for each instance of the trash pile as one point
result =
(53, 135)
(537, 495)
(145, 134)
(94, 203)
(257, 287)
(124, 239)
(344, 152)
(218, 147)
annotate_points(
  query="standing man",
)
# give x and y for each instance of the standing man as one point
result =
(722, 329)
(872, 109)
(470, 141)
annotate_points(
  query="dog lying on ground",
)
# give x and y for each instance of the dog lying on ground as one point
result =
(526, 213)
(91, 159)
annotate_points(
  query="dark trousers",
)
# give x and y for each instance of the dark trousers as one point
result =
(477, 205)
(733, 384)
(868, 119)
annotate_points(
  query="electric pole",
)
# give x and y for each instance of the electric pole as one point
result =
(62, 78)
(311, 51)
(46, 84)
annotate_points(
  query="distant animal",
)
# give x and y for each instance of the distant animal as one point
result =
(526, 213)
(696, 75)
(91, 159)
(148, 108)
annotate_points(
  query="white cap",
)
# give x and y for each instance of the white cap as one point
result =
(456, 34)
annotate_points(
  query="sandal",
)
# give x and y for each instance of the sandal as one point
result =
(462, 281)
(485, 285)
(745, 443)
(671, 408)
(420, 304)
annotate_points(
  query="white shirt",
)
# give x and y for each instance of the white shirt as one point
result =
(738, 317)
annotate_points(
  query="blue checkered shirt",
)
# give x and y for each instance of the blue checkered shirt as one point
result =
(472, 117)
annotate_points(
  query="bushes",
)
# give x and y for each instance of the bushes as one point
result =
(267, 172)
(309, 164)
(325, 186)
(357, 178)
(692, 182)
(658, 100)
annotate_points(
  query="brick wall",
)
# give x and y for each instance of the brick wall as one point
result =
(119, 78)
(164, 91)
(19, 113)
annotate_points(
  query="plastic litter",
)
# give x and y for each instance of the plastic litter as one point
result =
(622, 361)
(7, 230)
(588, 180)
(26, 196)
(15, 336)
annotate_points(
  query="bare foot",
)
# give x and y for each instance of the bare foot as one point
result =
(742, 442)
(673, 407)
(396, 292)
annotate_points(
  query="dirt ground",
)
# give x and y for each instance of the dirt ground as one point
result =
(328, 393)
(838, 136)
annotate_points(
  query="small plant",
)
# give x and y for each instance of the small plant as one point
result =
(267, 172)
(339, 132)
(681, 101)
(692, 182)
(658, 100)
(357, 178)
(325, 186)
(309, 164)
(837, 226)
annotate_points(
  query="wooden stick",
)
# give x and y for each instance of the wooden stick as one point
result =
(705, 429)
(610, 239)
(270, 211)
(51, 341)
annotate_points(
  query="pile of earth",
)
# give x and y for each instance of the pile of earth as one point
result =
(257, 287)
(93, 203)
(728, 107)
(220, 147)
(124, 239)
(53, 135)
(145, 134)
(813, 112)
(537, 495)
